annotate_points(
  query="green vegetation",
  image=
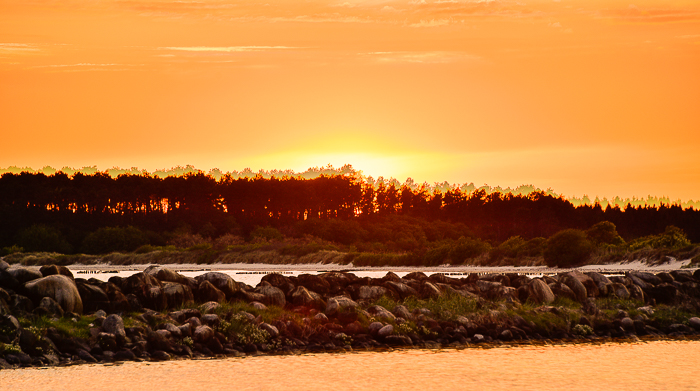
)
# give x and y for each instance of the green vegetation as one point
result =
(568, 248)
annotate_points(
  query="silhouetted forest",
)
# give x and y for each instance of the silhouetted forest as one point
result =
(68, 213)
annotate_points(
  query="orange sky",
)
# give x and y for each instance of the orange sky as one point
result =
(597, 97)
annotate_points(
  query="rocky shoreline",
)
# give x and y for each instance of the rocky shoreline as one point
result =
(48, 317)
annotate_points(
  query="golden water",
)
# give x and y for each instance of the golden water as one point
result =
(661, 365)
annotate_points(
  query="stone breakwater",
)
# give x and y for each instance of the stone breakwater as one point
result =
(48, 317)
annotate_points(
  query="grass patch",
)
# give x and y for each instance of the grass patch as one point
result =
(67, 326)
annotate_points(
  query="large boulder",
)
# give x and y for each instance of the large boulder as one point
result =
(429, 289)
(177, 295)
(575, 285)
(48, 270)
(539, 292)
(588, 282)
(279, 281)
(603, 283)
(114, 324)
(163, 273)
(58, 287)
(619, 290)
(222, 282)
(663, 294)
(301, 296)
(401, 289)
(369, 292)
(23, 274)
(315, 283)
(208, 292)
(94, 298)
(339, 304)
(271, 295)
(148, 290)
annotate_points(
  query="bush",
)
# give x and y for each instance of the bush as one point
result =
(42, 238)
(467, 248)
(114, 239)
(267, 234)
(673, 238)
(567, 248)
(604, 232)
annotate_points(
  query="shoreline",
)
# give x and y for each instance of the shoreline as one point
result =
(158, 314)
(318, 267)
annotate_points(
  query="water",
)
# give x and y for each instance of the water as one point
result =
(660, 365)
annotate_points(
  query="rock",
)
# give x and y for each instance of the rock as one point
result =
(279, 281)
(48, 270)
(420, 276)
(301, 296)
(258, 306)
(601, 281)
(321, 318)
(648, 310)
(124, 355)
(58, 287)
(429, 290)
(479, 338)
(114, 324)
(160, 355)
(3, 265)
(10, 329)
(636, 292)
(23, 274)
(638, 281)
(314, 283)
(211, 320)
(148, 290)
(206, 291)
(163, 273)
(93, 297)
(374, 327)
(21, 303)
(181, 315)
(391, 276)
(662, 293)
(372, 292)
(107, 341)
(646, 277)
(506, 335)
(339, 303)
(620, 291)
(271, 295)
(49, 306)
(402, 312)
(203, 334)
(576, 286)
(539, 292)
(666, 277)
(272, 330)
(398, 340)
(561, 290)
(177, 295)
(174, 331)
(682, 275)
(385, 331)
(222, 282)
(85, 356)
(401, 289)
(694, 322)
(208, 308)
(627, 323)
(8, 281)
(381, 313)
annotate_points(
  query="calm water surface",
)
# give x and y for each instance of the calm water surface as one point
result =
(641, 366)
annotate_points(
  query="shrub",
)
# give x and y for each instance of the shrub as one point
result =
(467, 248)
(567, 248)
(266, 234)
(672, 238)
(112, 239)
(604, 232)
(42, 238)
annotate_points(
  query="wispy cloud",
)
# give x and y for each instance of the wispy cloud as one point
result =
(635, 14)
(226, 49)
(86, 66)
(19, 48)
(431, 57)
(431, 23)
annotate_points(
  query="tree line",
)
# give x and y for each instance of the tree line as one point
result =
(77, 205)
